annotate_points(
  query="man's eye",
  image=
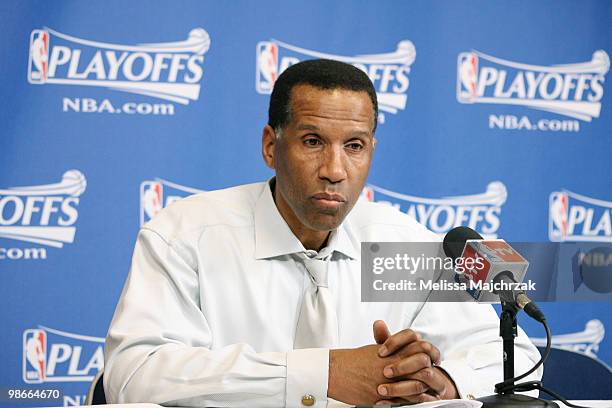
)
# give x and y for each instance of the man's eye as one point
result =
(312, 142)
(355, 146)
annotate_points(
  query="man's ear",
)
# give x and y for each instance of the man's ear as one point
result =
(374, 141)
(268, 143)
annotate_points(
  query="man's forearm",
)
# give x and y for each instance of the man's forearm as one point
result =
(195, 376)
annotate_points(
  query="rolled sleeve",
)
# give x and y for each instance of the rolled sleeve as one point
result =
(307, 377)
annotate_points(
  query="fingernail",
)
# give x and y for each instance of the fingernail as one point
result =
(388, 372)
(382, 351)
(382, 390)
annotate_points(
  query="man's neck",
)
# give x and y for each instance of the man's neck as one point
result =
(311, 239)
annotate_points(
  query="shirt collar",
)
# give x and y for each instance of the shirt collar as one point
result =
(273, 237)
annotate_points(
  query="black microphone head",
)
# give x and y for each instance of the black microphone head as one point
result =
(454, 241)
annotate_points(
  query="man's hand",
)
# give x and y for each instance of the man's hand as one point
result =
(412, 375)
(404, 371)
(354, 375)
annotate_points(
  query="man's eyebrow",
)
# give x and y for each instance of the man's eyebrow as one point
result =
(356, 133)
(361, 133)
(308, 127)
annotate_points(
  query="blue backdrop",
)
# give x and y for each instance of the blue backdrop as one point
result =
(493, 114)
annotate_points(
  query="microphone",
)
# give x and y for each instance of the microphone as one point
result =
(497, 268)
(496, 263)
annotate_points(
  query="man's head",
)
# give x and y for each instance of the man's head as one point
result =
(323, 74)
(319, 140)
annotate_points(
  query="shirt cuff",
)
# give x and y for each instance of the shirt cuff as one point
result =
(307, 376)
(466, 379)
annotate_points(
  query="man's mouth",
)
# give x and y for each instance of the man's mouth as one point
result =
(328, 200)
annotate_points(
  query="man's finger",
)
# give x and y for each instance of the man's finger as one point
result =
(407, 366)
(420, 346)
(433, 378)
(397, 341)
(404, 389)
(409, 390)
(381, 331)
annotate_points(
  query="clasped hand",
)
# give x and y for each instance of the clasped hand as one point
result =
(399, 368)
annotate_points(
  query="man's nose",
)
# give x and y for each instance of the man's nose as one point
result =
(333, 165)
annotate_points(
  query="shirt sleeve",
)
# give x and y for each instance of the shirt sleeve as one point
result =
(159, 346)
(467, 335)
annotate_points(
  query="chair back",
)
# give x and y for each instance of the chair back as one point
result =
(576, 376)
(95, 395)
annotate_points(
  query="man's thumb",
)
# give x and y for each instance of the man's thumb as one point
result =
(381, 331)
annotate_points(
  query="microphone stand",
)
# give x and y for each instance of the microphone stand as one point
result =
(508, 331)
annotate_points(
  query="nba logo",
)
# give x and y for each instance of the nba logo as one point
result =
(34, 356)
(467, 72)
(557, 222)
(267, 66)
(38, 63)
(151, 200)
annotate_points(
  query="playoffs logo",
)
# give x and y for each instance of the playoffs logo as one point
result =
(480, 212)
(586, 341)
(157, 194)
(387, 71)
(51, 355)
(45, 214)
(575, 217)
(171, 71)
(574, 90)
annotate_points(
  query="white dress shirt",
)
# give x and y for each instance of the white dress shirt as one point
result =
(209, 310)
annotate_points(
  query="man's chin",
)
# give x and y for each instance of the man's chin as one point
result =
(326, 222)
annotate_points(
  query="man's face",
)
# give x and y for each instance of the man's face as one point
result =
(323, 156)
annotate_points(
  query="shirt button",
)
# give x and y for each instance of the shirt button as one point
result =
(308, 400)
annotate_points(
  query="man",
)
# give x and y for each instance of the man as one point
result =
(250, 296)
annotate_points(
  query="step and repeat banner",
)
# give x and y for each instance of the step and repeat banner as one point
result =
(493, 115)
